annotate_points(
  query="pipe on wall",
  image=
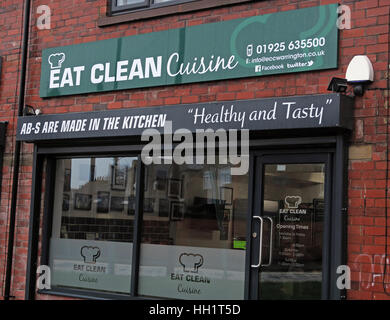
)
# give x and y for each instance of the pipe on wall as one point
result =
(16, 158)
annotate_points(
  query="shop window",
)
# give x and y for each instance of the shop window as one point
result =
(120, 11)
(131, 5)
(191, 229)
(194, 231)
(92, 232)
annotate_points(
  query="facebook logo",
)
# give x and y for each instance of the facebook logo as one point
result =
(258, 68)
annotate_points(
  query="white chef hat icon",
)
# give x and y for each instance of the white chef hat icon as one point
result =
(90, 254)
(191, 262)
(293, 201)
(56, 60)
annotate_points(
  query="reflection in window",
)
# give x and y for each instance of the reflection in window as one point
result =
(128, 2)
(162, 1)
(193, 212)
(120, 5)
(96, 193)
(92, 232)
(294, 199)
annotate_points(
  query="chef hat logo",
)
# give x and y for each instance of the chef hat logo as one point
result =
(191, 262)
(293, 201)
(90, 254)
(56, 60)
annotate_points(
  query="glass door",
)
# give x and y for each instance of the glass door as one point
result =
(289, 227)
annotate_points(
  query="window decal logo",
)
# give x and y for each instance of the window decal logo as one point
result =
(293, 201)
(56, 60)
(90, 254)
(191, 262)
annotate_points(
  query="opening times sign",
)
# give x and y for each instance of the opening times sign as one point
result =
(283, 42)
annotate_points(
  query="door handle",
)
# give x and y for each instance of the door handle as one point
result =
(261, 242)
(270, 242)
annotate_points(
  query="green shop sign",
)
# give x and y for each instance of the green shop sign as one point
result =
(283, 42)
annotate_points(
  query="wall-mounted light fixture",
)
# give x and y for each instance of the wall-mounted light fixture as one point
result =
(338, 85)
(360, 74)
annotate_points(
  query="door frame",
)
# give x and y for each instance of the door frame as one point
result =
(336, 156)
(292, 158)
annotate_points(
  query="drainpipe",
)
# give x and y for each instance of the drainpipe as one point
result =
(385, 267)
(16, 160)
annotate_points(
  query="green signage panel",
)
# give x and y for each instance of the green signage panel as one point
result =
(283, 42)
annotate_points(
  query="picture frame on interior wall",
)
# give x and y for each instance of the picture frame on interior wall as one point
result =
(103, 202)
(149, 205)
(177, 211)
(163, 208)
(160, 183)
(82, 201)
(174, 188)
(118, 177)
(117, 204)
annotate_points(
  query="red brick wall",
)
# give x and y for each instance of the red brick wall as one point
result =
(76, 22)
(10, 47)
